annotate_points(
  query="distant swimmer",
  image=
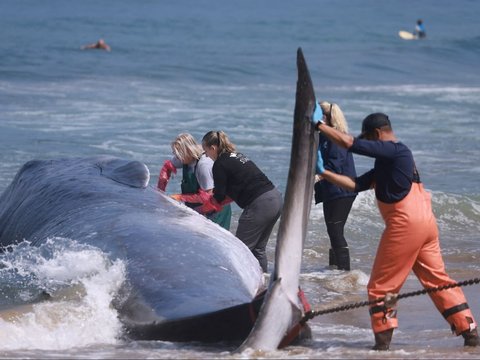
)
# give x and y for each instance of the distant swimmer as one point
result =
(420, 32)
(100, 44)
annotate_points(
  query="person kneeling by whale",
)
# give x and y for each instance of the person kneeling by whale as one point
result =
(410, 239)
(197, 178)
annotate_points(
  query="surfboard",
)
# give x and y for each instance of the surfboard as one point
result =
(406, 35)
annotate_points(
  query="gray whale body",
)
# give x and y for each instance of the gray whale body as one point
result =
(187, 278)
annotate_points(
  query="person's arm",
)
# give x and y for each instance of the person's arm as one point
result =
(169, 167)
(342, 181)
(358, 184)
(204, 174)
(338, 137)
(220, 181)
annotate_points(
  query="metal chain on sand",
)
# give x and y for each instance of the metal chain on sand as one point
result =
(389, 298)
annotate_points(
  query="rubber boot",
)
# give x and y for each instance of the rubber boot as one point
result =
(332, 261)
(382, 340)
(342, 256)
(471, 338)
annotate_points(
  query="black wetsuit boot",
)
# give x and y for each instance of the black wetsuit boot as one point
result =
(382, 340)
(332, 261)
(471, 338)
(342, 258)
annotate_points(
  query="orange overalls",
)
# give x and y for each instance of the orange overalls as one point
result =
(410, 242)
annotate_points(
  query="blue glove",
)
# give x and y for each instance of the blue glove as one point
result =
(319, 166)
(317, 114)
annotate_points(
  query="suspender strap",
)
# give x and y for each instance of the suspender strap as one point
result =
(455, 309)
(388, 313)
(377, 309)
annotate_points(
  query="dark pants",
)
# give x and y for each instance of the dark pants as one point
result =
(336, 214)
(256, 223)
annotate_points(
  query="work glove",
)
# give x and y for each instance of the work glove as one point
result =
(319, 166)
(199, 198)
(212, 205)
(209, 203)
(317, 115)
(167, 169)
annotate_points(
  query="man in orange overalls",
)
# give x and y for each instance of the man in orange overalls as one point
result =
(410, 239)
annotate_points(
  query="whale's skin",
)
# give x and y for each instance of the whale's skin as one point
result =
(187, 278)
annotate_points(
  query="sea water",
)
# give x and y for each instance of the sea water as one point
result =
(200, 65)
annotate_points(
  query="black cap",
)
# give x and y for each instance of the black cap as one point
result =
(372, 122)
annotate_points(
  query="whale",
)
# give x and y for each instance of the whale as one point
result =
(187, 279)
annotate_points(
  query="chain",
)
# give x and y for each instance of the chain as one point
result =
(313, 313)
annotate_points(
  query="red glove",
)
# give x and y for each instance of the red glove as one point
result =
(211, 205)
(200, 197)
(165, 174)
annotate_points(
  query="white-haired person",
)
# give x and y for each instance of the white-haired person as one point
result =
(197, 177)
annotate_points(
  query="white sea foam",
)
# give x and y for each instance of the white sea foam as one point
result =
(75, 319)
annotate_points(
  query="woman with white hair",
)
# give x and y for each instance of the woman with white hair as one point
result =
(197, 177)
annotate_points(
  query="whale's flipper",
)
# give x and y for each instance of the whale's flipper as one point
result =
(282, 310)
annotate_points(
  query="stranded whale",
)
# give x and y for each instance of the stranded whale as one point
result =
(187, 278)
(180, 265)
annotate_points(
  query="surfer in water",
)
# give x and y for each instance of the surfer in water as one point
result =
(419, 31)
(410, 239)
(100, 44)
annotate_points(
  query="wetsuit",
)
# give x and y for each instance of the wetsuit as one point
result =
(410, 239)
(337, 202)
(239, 178)
(420, 31)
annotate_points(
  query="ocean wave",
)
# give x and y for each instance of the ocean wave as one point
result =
(58, 296)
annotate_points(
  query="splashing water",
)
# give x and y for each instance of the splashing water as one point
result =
(81, 282)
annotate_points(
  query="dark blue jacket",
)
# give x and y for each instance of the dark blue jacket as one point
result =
(393, 172)
(337, 160)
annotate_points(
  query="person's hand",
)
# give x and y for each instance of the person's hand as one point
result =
(319, 166)
(167, 169)
(317, 115)
(211, 205)
(200, 197)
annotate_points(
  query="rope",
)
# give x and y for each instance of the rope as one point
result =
(311, 314)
